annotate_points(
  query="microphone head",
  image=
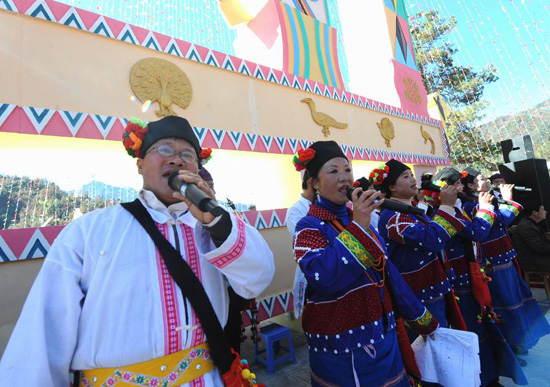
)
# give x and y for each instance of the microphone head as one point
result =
(362, 183)
(429, 186)
(350, 191)
(174, 182)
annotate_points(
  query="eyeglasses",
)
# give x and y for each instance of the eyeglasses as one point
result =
(167, 151)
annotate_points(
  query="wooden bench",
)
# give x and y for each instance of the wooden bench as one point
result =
(538, 279)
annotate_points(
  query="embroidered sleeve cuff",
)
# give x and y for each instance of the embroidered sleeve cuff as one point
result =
(487, 215)
(352, 238)
(448, 222)
(514, 207)
(425, 324)
(232, 247)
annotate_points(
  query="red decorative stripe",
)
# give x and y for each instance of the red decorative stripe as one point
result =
(193, 261)
(236, 250)
(496, 247)
(430, 275)
(460, 266)
(306, 240)
(358, 307)
(169, 302)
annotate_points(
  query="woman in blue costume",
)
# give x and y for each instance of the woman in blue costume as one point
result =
(470, 285)
(523, 323)
(415, 242)
(349, 318)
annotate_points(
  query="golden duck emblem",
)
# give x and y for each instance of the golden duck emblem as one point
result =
(323, 119)
(426, 136)
(161, 81)
(387, 130)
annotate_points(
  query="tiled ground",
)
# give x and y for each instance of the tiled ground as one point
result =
(297, 375)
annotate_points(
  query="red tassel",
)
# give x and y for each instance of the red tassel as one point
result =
(480, 290)
(234, 377)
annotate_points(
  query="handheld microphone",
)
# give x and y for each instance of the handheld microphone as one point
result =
(516, 188)
(393, 205)
(495, 200)
(195, 195)
(432, 187)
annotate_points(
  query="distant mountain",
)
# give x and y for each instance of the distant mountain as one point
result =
(100, 190)
(534, 122)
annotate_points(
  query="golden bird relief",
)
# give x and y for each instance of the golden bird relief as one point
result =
(323, 119)
(387, 130)
(163, 82)
(426, 136)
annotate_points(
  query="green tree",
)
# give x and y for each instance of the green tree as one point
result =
(460, 86)
(26, 203)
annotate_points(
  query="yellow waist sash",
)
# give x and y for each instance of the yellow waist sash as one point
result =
(171, 370)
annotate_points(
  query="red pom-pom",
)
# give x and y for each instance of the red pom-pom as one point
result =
(205, 153)
(305, 155)
(128, 143)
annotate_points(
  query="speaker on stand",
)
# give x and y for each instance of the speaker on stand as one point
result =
(523, 169)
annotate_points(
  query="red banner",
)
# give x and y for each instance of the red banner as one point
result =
(411, 91)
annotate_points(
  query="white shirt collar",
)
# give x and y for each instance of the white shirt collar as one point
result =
(161, 213)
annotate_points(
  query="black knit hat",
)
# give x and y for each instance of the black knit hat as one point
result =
(324, 151)
(396, 168)
(448, 175)
(170, 127)
(138, 136)
(471, 175)
(495, 176)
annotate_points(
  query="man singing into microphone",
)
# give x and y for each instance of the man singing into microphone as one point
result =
(105, 302)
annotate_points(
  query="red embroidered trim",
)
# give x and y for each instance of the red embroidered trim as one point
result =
(425, 325)
(397, 225)
(169, 302)
(429, 275)
(193, 261)
(357, 307)
(496, 247)
(306, 240)
(460, 265)
(323, 214)
(236, 250)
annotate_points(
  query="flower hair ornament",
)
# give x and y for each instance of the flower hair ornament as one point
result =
(205, 156)
(434, 196)
(302, 158)
(133, 136)
(377, 175)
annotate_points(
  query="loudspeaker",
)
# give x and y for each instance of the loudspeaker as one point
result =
(532, 173)
(517, 149)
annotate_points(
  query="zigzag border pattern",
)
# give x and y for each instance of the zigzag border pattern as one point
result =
(95, 23)
(33, 120)
(270, 307)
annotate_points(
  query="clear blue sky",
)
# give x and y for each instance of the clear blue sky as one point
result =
(514, 35)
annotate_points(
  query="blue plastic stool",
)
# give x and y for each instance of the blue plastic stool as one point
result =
(271, 336)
